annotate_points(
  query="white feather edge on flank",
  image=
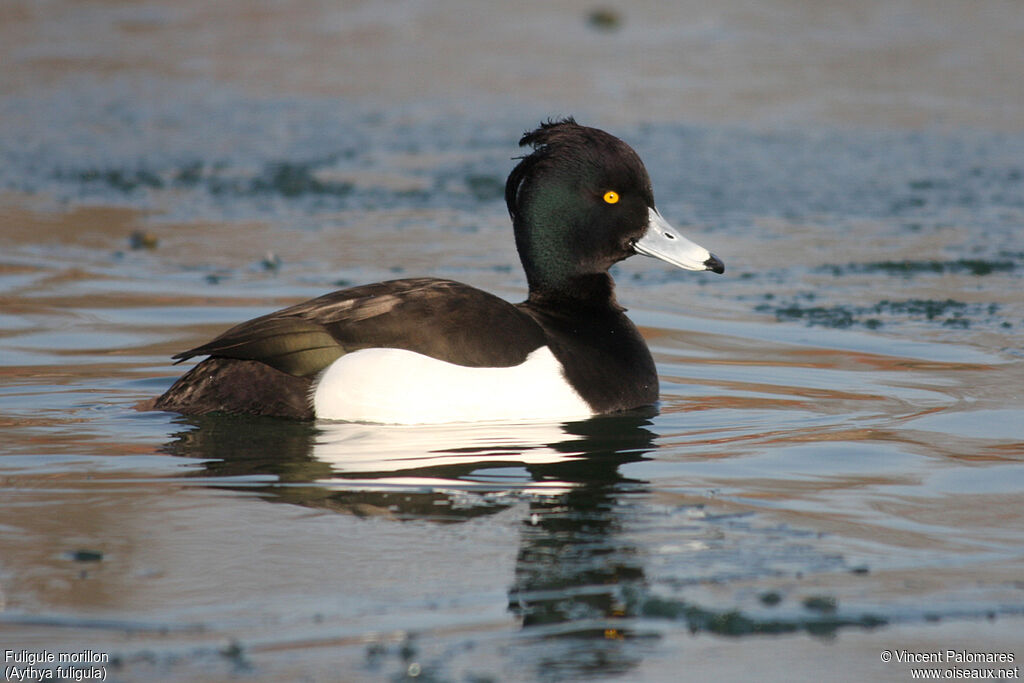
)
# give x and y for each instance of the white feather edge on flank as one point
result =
(394, 386)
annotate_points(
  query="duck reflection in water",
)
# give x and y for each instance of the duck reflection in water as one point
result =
(572, 567)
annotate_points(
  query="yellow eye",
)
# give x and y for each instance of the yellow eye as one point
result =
(611, 197)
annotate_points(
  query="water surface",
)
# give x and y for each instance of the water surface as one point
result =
(836, 466)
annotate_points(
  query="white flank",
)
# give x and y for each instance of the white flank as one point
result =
(393, 386)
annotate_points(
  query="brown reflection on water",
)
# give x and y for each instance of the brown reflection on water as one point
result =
(720, 62)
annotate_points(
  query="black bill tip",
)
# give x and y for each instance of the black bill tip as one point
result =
(715, 264)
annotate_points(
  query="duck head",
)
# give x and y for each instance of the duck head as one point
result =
(581, 202)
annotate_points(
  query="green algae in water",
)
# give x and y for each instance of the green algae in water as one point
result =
(948, 312)
(291, 179)
(825, 604)
(123, 180)
(910, 268)
(85, 555)
(734, 622)
(485, 187)
(833, 316)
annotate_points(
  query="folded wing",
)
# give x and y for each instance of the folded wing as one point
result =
(257, 362)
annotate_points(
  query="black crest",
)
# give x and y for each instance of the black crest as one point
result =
(573, 149)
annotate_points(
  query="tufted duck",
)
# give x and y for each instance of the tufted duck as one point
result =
(426, 350)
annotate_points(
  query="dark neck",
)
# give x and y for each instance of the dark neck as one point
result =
(581, 292)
